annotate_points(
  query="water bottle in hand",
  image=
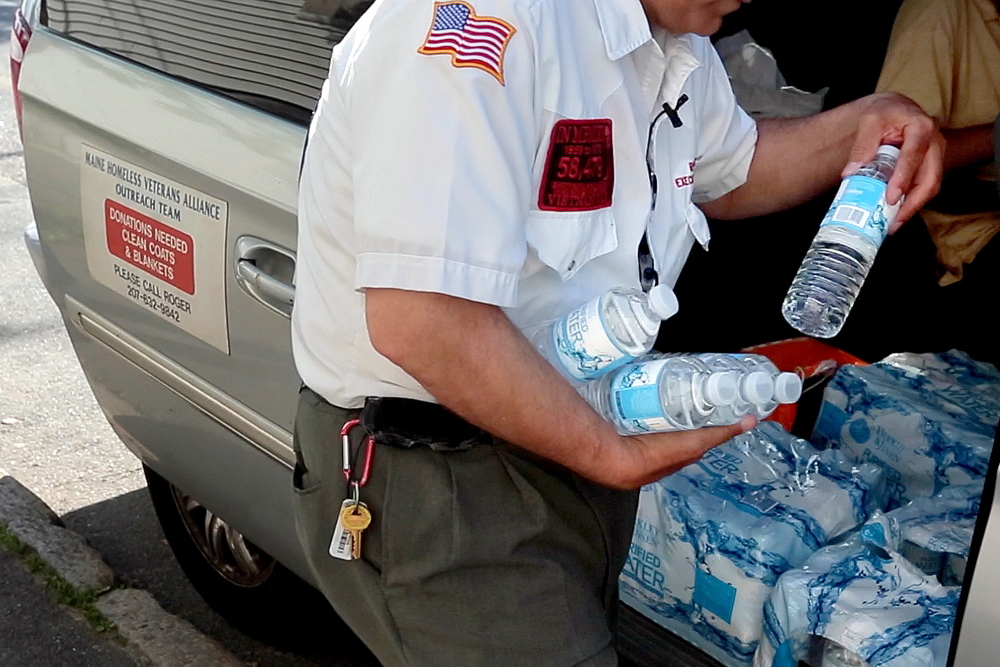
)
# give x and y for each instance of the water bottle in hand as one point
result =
(605, 333)
(671, 393)
(755, 388)
(787, 386)
(842, 253)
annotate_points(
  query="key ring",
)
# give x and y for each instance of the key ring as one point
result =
(369, 443)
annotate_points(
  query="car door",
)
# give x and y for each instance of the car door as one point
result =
(162, 145)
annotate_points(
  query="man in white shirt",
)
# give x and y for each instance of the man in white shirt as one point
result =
(474, 168)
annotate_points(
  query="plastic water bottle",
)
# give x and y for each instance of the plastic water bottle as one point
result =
(787, 386)
(835, 655)
(673, 393)
(754, 389)
(605, 333)
(842, 253)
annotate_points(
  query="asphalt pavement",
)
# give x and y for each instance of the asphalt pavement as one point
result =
(39, 632)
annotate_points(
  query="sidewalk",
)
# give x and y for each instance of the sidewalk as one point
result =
(35, 629)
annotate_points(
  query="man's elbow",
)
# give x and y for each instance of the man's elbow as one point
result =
(385, 312)
(722, 208)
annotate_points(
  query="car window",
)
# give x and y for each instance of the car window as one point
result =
(272, 54)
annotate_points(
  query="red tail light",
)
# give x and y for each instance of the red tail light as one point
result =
(20, 33)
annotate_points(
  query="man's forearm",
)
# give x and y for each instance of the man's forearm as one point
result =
(795, 160)
(473, 360)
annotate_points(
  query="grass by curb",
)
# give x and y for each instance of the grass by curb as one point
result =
(82, 603)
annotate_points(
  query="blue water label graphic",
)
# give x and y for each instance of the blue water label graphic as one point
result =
(860, 205)
(637, 403)
(714, 595)
(635, 397)
(829, 424)
(584, 345)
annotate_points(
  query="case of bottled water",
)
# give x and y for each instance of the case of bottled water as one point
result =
(711, 540)
(871, 606)
(930, 419)
(936, 532)
(837, 263)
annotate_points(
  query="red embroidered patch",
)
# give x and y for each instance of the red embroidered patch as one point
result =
(579, 170)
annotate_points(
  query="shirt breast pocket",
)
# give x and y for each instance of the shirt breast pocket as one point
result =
(565, 241)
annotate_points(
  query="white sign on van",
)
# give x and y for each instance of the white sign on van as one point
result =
(158, 243)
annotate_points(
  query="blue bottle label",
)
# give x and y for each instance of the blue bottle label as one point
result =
(635, 398)
(714, 595)
(860, 205)
(584, 345)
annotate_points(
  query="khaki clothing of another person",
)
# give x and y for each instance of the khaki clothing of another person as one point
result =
(945, 55)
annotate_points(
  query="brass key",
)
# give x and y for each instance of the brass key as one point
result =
(355, 518)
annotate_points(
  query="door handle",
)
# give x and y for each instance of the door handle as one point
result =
(266, 271)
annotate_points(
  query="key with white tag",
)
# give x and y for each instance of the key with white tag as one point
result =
(342, 544)
(355, 518)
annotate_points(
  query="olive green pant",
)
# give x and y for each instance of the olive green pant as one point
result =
(487, 556)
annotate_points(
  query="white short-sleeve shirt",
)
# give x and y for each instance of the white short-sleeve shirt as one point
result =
(500, 151)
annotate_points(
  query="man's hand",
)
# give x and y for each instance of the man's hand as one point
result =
(473, 360)
(797, 159)
(640, 459)
(895, 119)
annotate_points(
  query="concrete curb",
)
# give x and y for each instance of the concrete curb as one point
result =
(163, 638)
(157, 636)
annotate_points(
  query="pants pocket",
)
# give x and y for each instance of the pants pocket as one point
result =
(303, 483)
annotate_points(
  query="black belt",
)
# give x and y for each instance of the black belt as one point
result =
(407, 422)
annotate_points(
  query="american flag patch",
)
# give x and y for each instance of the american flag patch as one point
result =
(470, 40)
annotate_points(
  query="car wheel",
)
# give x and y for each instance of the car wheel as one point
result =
(240, 581)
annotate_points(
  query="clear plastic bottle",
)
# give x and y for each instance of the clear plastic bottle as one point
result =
(842, 253)
(605, 333)
(754, 388)
(672, 393)
(835, 655)
(787, 387)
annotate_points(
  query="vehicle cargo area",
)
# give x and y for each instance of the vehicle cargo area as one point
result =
(848, 549)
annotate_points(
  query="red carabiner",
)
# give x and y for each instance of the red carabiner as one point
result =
(345, 439)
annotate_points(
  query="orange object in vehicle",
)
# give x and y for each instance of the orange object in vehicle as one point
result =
(807, 358)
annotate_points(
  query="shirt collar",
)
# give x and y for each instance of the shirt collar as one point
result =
(624, 26)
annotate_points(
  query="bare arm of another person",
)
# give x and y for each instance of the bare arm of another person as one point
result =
(797, 159)
(471, 358)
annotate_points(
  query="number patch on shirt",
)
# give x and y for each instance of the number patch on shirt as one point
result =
(579, 171)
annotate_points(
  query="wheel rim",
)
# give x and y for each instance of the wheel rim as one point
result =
(233, 557)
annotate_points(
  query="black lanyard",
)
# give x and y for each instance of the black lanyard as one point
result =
(647, 271)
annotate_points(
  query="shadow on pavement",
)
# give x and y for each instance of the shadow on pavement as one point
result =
(126, 533)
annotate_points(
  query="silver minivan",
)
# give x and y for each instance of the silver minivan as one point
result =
(162, 143)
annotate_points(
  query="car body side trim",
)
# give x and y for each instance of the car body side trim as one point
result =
(256, 429)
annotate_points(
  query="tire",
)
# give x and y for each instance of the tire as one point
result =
(247, 587)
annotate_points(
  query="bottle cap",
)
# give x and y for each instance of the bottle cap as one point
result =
(787, 388)
(888, 150)
(721, 388)
(758, 387)
(663, 302)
